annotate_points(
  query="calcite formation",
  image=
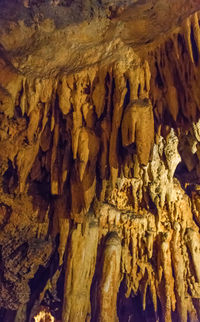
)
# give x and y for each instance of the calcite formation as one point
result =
(99, 160)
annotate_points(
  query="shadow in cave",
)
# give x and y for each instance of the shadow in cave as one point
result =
(130, 309)
(38, 283)
(195, 51)
(187, 179)
(10, 179)
(7, 315)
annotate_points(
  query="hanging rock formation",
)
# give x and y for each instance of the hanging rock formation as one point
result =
(99, 160)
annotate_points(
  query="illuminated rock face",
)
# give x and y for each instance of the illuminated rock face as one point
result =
(99, 161)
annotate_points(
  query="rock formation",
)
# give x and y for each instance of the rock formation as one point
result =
(99, 160)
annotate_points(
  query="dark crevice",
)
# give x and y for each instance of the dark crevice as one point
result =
(139, 90)
(130, 309)
(127, 96)
(112, 96)
(158, 79)
(40, 279)
(187, 179)
(107, 85)
(169, 48)
(181, 44)
(7, 315)
(10, 179)
(194, 47)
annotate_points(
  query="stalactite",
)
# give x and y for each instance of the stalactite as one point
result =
(187, 31)
(99, 92)
(64, 93)
(138, 127)
(54, 160)
(196, 30)
(118, 101)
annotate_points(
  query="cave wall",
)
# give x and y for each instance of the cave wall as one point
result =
(99, 186)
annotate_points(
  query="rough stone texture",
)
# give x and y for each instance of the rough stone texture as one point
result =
(99, 160)
(82, 32)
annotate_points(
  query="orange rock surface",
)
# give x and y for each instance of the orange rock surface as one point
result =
(99, 160)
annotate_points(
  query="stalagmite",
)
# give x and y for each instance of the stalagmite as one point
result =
(79, 272)
(110, 279)
(192, 239)
(179, 268)
(169, 301)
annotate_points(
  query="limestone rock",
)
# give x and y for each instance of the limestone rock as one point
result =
(99, 160)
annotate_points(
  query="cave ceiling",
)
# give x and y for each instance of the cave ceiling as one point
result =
(41, 38)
